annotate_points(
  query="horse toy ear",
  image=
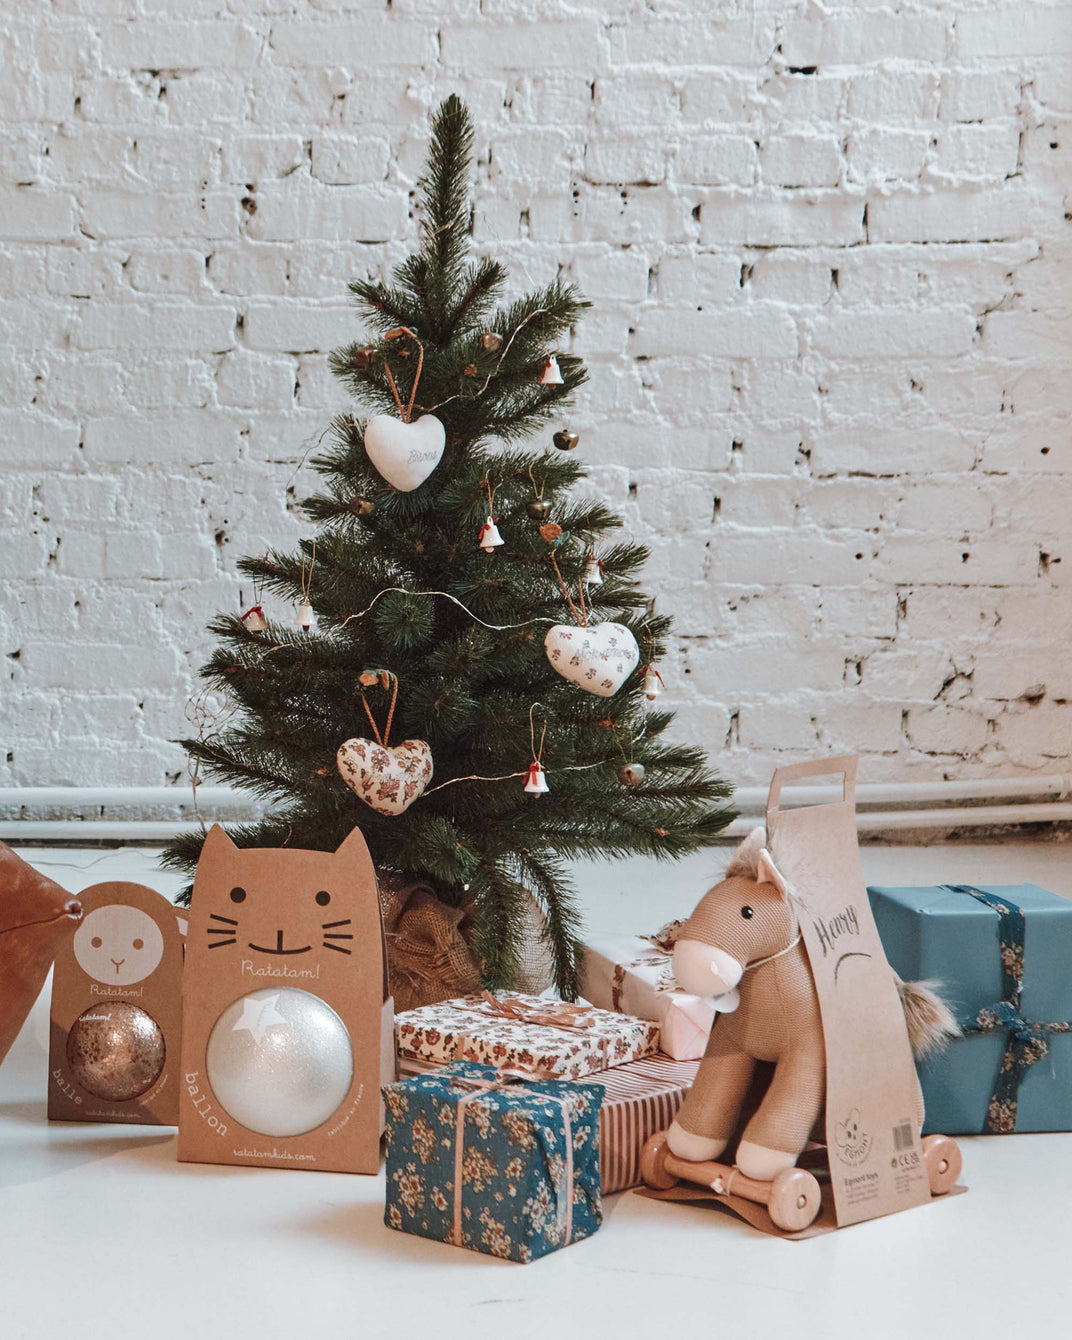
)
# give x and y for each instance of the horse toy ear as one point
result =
(768, 873)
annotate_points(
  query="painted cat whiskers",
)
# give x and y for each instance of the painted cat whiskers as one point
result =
(229, 929)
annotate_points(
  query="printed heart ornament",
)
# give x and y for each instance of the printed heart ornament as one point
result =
(405, 453)
(599, 658)
(389, 780)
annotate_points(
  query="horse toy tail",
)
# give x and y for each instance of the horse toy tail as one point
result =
(931, 1023)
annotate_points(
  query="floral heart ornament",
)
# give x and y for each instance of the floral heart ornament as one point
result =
(387, 778)
(405, 453)
(598, 658)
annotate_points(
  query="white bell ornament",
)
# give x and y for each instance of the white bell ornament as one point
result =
(306, 618)
(652, 683)
(593, 572)
(536, 781)
(254, 619)
(552, 373)
(489, 537)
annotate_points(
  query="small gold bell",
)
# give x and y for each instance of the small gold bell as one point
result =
(362, 358)
(551, 374)
(492, 341)
(564, 440)
(362, 506)
(535, 781)
(631, 774)
(538, 508)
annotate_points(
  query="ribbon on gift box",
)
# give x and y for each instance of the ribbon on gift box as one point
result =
(549, 1014)
(503, 1080)
(1027, 1040)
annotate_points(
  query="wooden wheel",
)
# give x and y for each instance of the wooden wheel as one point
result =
(653, 1163)
(794, 1199)
(943, 1159)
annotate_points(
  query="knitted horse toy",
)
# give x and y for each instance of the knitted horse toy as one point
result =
(742, 945)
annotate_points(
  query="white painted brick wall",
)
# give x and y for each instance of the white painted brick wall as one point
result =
(829, 247)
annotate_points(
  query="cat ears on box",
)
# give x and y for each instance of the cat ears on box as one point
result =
(353, 847)
(752, 860)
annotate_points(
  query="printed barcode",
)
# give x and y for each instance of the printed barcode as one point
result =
(903, 1137)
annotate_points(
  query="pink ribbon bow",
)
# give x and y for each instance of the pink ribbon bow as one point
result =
(549, 1014)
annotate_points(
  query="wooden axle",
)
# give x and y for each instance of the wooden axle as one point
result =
(792, 1198)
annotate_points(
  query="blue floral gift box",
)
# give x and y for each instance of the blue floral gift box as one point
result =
(1002, 958)
(500, 1165)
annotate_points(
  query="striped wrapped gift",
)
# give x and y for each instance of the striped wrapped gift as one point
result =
(642, 1098)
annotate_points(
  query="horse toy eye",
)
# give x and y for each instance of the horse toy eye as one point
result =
(747, 912)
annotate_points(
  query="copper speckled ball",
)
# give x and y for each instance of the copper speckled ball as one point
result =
(115, 1051)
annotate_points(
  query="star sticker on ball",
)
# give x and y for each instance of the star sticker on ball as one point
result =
(258, 1016)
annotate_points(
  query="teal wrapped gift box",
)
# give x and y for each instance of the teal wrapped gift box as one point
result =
(501, 1165)
(1002, 958)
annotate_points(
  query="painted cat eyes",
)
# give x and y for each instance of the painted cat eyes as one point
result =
(323, 898)
(747, 912)
(137, 944)
(96, 942)
(238, 895)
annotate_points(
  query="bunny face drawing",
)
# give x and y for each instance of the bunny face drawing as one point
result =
(118, 945)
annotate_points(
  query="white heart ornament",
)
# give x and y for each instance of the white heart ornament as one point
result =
(599, 658)
(389, 780)
(405, 453)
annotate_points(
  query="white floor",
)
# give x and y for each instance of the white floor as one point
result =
(103, 1234)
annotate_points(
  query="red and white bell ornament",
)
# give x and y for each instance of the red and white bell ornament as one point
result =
(489, 537)
(652, 683)
(552, 373)
(254, 619)
(306, 618)
(536, 781)
(593, 572)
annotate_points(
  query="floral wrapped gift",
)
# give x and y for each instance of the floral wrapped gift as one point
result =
(1001, 956)
(513, 1031)
(635, 974)
(492, 1162)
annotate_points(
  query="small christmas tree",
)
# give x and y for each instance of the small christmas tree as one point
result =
(429, 633)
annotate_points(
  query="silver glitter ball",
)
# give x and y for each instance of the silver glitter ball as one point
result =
(116, 1051)
(279, 1061)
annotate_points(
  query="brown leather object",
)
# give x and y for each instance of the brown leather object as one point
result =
(428, 959)
(35, 916)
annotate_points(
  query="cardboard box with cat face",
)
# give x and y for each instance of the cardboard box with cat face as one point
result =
(117, 1010)
(288, 1028)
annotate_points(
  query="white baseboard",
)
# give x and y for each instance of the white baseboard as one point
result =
(156, 813)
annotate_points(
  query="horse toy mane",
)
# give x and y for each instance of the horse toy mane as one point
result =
(742, 947)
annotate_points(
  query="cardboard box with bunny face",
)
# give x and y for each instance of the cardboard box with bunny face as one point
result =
(288, 1028)
(117, 1010)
